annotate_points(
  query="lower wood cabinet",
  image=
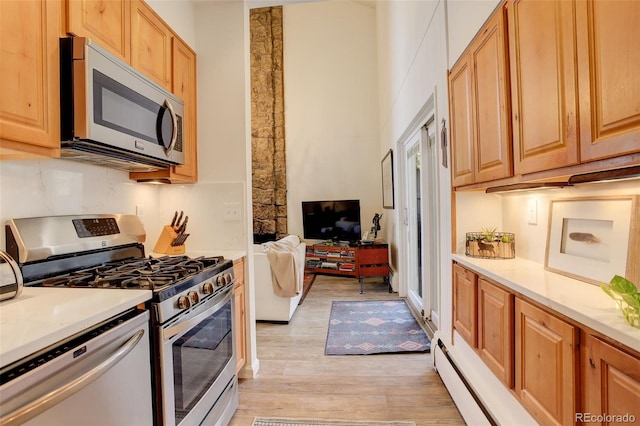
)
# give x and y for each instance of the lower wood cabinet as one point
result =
(559, 370)
(611, 382)
(465, 304)
(240, 315)
(495, 330)
(546, 363)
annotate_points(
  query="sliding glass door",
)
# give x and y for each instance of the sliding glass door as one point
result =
(420, 223)
(413, 220)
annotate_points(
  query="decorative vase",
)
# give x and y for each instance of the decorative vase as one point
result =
(500, 245)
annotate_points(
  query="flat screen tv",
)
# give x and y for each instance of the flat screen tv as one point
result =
(332, 220)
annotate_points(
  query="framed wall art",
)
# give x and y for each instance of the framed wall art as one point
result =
(387, 181)
(594, 238)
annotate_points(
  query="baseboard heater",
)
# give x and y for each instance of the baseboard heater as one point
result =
(445, 352)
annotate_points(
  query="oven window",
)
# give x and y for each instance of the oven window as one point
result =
(198, 358)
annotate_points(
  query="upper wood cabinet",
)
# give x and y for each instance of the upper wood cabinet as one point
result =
(609, 77)
(573, 92)
(106, 22)
(133, 31)
(479, 90)
(30, 83)
(184, 86)
(465, 304)
(542, 39)
(546, 363)
(462, 141)
(495, 330)
(150, 44)
(611, 379)
(161, 55)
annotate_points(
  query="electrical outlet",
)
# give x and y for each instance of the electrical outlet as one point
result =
(532, 212)
(140, 211)
(232, 212)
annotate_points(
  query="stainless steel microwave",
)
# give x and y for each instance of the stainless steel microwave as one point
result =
(112, 115)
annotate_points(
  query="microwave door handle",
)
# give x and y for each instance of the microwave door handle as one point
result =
(50, 399)
(174, 121)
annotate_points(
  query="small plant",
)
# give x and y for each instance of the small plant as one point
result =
(488, 234)
(625, 294)
(507, 238)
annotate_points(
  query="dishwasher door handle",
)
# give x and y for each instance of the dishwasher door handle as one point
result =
(50, 399)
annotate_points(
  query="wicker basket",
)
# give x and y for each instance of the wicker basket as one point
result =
(503, 245)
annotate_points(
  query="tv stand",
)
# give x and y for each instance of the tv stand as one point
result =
(360, 261)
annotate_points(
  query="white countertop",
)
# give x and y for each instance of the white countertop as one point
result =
(227, 254)
(42, 316)
(580, 301)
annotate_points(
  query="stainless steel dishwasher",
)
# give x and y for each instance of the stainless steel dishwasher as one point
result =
(99, 377)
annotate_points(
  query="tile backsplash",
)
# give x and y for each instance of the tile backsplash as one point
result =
(31, 188)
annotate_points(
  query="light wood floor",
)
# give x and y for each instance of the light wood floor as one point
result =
(297, 380)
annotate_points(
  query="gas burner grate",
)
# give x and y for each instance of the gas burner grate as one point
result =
(146, 273)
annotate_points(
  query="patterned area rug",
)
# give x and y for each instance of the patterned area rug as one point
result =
(263, 421)
(374, 327)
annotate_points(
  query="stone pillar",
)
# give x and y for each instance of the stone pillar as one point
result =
(267, 125)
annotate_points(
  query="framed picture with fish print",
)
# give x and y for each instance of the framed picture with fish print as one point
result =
(594, 238)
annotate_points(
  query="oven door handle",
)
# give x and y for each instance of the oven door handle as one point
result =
(47, 401)
(191, 322)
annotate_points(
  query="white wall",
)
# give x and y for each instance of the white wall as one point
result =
(219, 32)
(180, 15)
(412, 65)
(221, 91)
(331, 107)
(217, 28)
(464, 19)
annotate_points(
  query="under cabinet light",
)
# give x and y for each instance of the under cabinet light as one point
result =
(632, 172)
(606, 175)
(528, 186)
(154, 181)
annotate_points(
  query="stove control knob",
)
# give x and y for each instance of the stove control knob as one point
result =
(194, 297)
(184, 302)
(221, 281)
(228, 277)
(207, 288)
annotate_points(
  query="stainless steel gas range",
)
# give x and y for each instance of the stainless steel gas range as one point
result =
(191, 310)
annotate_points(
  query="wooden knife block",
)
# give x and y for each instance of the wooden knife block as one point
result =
(163, 245)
